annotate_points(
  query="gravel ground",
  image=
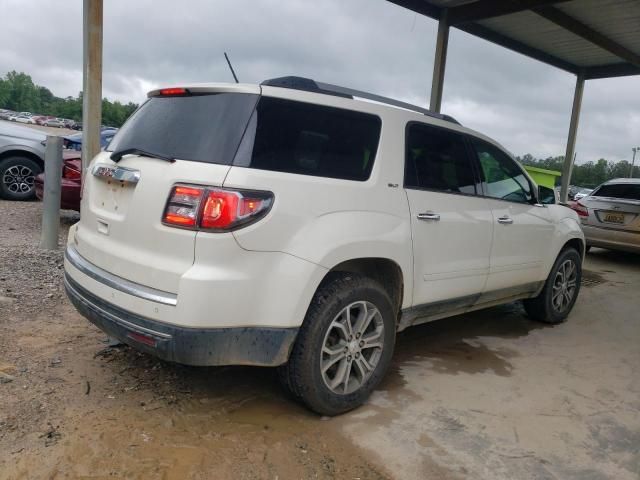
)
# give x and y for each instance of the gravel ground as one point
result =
(74, 406)
(30, 277)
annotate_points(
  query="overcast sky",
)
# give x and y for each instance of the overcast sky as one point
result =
(366, 44)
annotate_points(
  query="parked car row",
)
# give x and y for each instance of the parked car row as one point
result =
(8, 114)
(44, 120)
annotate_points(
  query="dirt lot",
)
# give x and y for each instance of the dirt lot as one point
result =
(483, 396)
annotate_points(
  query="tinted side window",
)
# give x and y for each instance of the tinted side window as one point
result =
(437, 159)
(502, 178)
(628, 191)
(307, 139)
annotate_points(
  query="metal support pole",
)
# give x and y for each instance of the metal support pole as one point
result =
(571, 140)
(633, 162)
(92, 80)
(439, 64)
(52, 188)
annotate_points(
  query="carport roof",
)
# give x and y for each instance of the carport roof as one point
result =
(596, 38)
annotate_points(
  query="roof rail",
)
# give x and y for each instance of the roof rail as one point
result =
(309, 85)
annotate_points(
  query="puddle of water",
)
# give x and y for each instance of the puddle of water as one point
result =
(454, 345)
(591, 278)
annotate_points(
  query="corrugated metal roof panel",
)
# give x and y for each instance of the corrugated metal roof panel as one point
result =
(619, 20)
(599, 37)
(533, 30)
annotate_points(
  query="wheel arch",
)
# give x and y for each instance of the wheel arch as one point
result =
(22, 153)
(576, 243)
(383, 270)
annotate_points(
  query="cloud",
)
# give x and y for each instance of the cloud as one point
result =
(366, 44)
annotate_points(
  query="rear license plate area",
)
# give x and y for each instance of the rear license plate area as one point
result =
(113, 188)
(613, 217)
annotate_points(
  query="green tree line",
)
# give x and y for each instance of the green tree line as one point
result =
(589, 174)
(19, 93)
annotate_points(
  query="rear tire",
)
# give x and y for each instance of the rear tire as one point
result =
(344, 346)
(560, 291)
(16, 178)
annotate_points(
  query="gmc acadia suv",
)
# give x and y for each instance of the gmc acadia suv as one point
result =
(301, 225)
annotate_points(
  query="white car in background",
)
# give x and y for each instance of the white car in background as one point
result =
(582, 193)
(22, 119)
(299, 225)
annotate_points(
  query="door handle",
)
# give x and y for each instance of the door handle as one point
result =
(506, 220)
(428, 216)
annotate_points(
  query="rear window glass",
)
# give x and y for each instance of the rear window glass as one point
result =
(202, 128)
(296, 137)
(627, 191)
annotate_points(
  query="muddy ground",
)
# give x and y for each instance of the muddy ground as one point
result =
(489, 395)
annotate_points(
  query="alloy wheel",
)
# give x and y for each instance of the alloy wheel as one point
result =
(18, 179)
(564, 286)
(352, 347)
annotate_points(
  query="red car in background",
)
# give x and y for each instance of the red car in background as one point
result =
(40, 119)
(71, 182)
(72, 168)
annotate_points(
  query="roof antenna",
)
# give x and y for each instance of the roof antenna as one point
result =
(230, 67)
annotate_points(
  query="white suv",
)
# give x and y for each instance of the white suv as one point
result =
(302, 225)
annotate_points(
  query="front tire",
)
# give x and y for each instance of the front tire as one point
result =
(560, 291)
(344, 346)
(17, 175)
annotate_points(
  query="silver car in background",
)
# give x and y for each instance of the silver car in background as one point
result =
(610, 215)
(21, 159)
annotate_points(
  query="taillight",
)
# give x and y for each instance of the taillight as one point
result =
(169, 92)
(215, 209)
(581, 210)
(183, 206)
(71, 173)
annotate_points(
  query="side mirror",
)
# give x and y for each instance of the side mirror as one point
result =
(546, 195)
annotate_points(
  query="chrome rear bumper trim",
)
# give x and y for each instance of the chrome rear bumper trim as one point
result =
(116, 282)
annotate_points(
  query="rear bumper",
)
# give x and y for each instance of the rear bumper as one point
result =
(612, 238)
(262, 346)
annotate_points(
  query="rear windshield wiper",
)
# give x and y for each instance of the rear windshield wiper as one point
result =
(116, 156)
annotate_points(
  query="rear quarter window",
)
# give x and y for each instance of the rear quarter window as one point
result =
(307, 139)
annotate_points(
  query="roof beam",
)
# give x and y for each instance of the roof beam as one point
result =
(612, 70)
(580, 29)
(424, 8)
(421, 7)
(504, 41)
(483, 9)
